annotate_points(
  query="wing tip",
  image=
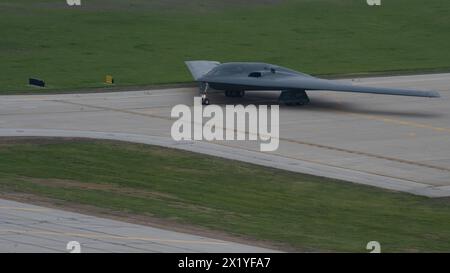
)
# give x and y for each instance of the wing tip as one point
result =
(434, 94)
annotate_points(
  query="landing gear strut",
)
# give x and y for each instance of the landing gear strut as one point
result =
(204, 92)
(294, 97)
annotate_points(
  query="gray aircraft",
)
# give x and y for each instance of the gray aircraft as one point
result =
(236, 78)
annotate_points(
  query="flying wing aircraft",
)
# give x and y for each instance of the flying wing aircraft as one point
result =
(236, 78)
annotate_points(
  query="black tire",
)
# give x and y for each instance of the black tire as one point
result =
(205, 101)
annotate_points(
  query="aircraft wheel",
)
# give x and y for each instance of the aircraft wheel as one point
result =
(205, 101)
(235, 93)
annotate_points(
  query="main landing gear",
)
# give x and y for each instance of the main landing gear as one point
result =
(293, 97)
(235, 93)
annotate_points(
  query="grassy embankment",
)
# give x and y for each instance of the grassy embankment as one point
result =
(301, 211)
(145, 42)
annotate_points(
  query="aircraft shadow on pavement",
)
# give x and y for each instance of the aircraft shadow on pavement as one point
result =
(322, 104)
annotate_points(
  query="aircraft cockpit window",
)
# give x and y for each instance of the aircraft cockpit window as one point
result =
(255, 74)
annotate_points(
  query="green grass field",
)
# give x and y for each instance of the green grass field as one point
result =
(142, 42)
(301, 211)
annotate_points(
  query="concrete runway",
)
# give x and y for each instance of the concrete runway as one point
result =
(398, 143)
(28, 228)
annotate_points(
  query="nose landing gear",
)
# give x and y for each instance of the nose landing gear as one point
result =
(205, 100)
(204, 92)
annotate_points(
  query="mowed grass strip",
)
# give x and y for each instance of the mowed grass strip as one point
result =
(143, 42)
(296, 210)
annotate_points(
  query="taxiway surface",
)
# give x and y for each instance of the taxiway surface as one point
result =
(399, 143)
(28, 228)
